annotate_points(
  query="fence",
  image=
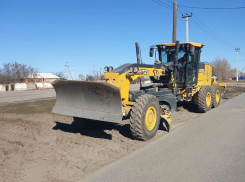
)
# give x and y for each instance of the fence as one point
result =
(24, 86)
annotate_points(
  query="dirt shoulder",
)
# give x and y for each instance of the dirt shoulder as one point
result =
(36, 145)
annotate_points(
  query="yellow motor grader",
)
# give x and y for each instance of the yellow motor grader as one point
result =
(177, 73)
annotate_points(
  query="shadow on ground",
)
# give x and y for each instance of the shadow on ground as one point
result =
(97, 129)
(189, 106)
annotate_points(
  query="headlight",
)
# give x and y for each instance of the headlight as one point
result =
(136, 69)
(131, 69)
(106, 69)
(110, 68)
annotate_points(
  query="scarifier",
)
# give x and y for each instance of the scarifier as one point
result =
(177, 74)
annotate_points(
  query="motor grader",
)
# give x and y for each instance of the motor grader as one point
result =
(178, 75)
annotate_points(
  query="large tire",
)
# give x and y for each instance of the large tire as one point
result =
(145, 117)
(204, 99)
(216, 95)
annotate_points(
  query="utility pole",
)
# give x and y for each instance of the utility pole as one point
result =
(100, 73)
(241, 72)
(187, 28)
(67, 69)
(237, 50)
(73, 73)
(66, 74)
(174, 22)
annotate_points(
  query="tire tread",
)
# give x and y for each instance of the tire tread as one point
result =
(136, 126)
(201, 98)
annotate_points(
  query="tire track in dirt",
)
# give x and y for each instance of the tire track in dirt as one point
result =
(56, 149)
(86, 150)
(18, 135)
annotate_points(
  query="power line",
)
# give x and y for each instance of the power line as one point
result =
(214, 32)
(183, 9)
(200, 25)
(162, 4)
(204, 30)
(208, 31)
(206, 27)
(212, 35)
(207, 8)
(238, 60)
(170, 1)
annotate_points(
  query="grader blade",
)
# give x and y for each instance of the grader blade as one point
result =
(92, 100)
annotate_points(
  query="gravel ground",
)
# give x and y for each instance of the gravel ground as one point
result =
(36, 145)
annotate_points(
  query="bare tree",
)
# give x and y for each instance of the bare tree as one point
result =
(1, 75)
(233, 72)
(60, 74)
(95, 74)
(221, 68)
(81, 76)
(15, 72)
(242, 73)
(89, 78)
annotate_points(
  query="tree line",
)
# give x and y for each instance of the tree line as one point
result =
(221, 69)
(16, 72)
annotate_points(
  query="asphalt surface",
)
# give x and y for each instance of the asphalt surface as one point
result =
(16, 96)
(238, 84)
(210, 148)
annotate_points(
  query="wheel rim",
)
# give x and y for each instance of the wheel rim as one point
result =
(208, 99)
(150, 118)
(217, 96)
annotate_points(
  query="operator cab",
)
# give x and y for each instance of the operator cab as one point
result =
(188, 60)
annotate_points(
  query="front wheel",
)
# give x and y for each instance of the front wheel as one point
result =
(145, 117)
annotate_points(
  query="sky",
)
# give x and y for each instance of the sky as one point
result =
(89, 35)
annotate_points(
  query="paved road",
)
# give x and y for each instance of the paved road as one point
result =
(16, 96)
(39, 94)
(239, 84)
(211, 148)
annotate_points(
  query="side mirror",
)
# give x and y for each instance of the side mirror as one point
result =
(192, 50)
(151, 51)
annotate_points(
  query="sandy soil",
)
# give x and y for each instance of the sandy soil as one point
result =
(39, 146)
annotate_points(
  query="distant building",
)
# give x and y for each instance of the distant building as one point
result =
(240, 78)
(33, 81)
(42, 78)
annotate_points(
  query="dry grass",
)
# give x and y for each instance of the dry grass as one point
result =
(34, 107)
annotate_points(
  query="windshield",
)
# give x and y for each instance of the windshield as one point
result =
(187, 74)
(167, 55)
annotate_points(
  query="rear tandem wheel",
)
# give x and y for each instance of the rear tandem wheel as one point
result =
(216, 95)
(204, 99)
